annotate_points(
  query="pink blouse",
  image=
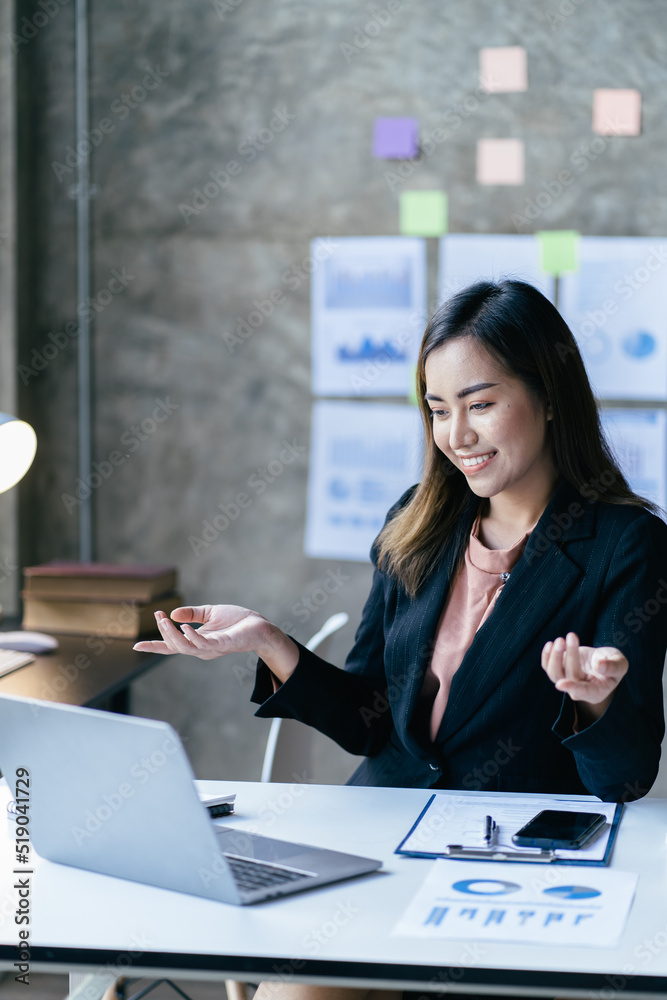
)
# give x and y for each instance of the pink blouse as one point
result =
(471, 600)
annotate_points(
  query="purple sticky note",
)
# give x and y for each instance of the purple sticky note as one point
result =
(395, 138)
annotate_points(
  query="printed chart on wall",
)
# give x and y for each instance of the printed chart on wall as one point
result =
(368, 306)
(469, 257)
(363, 456)
(616, 306)
(639, 441)
(495, 902)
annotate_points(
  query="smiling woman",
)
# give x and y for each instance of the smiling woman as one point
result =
(498, 648)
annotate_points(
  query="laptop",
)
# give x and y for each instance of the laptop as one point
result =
(115, 794)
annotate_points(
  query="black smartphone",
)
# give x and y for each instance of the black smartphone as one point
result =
(552, 829)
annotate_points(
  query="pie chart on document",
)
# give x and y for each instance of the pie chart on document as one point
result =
(572, 892)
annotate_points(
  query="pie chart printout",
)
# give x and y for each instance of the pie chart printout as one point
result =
(572, 892)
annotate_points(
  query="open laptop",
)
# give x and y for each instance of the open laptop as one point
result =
(116, 794)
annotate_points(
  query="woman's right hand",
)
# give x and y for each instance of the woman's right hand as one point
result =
(224, 628)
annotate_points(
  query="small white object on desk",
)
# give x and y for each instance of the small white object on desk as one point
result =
(218, 805)
(28, 642)
(11, 660)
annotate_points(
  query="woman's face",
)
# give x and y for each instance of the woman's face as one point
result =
(487, 423)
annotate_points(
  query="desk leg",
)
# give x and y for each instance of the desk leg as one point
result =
(91, 986)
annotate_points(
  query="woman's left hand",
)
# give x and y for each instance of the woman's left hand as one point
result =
(586, 673)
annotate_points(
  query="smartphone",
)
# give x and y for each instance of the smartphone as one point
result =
(552, 829)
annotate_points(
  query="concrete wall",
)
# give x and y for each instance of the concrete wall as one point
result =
(9, 576)
(178, 90)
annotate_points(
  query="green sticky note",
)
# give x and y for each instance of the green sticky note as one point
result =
(559, 250)
(412, 383)
(423, 213)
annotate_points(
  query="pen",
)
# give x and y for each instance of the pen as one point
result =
(489, 830)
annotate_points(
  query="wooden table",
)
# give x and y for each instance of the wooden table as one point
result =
(84, 670)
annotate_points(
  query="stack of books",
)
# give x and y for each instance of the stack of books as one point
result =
(101, 598)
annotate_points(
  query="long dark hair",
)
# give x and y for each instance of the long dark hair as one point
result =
(529, 338)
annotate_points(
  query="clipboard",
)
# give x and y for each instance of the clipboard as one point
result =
(428, 837)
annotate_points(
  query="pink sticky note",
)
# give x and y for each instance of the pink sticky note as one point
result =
(503, 69)
(617, 112)
(500, 161)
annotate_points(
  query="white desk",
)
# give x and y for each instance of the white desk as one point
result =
(340, 933)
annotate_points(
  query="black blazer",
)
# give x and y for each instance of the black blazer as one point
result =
(594, 568)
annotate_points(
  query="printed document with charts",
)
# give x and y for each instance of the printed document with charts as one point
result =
(457, 821)
(464, 901)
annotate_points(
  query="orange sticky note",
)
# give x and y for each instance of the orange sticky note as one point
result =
(503, 69)
(617, 112)
(500, 161)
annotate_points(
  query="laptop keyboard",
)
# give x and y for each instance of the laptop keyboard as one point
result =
(249, 874)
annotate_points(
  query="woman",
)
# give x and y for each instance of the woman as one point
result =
(515, 632)
(523, 546)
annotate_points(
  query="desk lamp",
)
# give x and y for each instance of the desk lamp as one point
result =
(18, 444)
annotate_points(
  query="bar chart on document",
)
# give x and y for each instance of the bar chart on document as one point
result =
(363, 456)
(368, 314)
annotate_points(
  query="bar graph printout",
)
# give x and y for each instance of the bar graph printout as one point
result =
(363, 456)
(368, 299)
(616, 306)
(464, 901)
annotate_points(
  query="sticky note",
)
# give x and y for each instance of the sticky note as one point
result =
(412, 386)
(395, 138)
(503, 69)
(559, 250)
(423, 213)
(617, 112)
(500, 161)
